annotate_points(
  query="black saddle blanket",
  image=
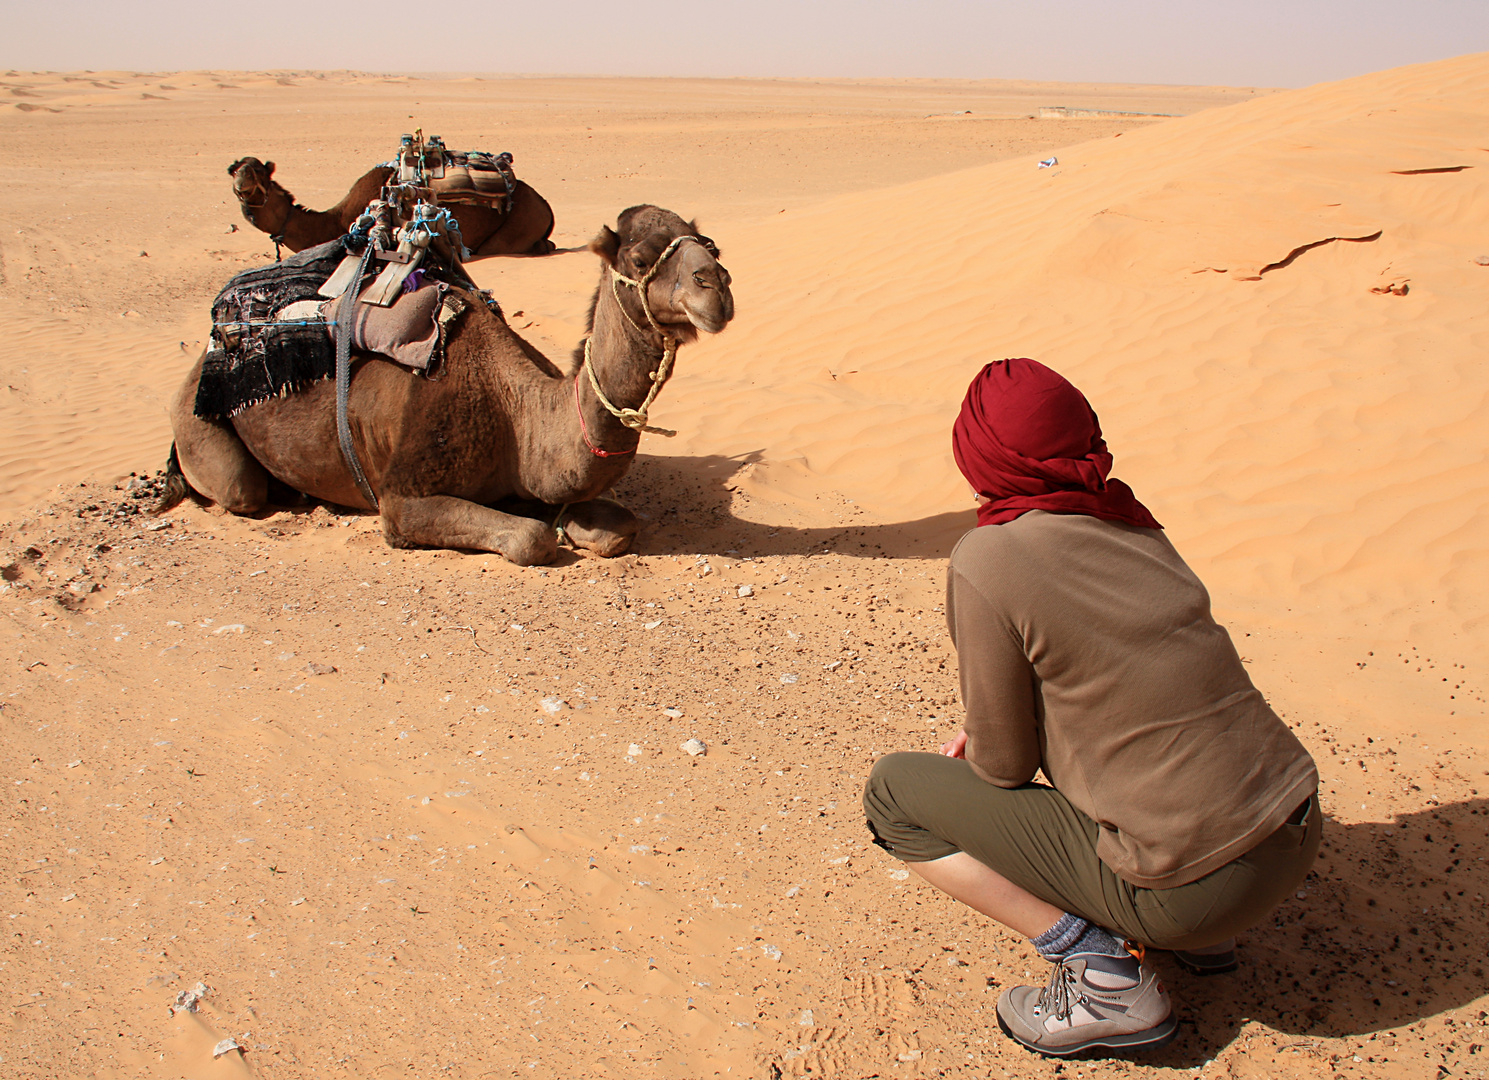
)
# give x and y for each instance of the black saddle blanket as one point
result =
(253, 357)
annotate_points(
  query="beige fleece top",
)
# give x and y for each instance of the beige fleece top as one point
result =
(1086, 649)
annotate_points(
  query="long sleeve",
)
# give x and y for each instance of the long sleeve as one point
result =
(997, 688)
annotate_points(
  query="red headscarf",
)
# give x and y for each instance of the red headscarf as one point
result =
(1028, 440)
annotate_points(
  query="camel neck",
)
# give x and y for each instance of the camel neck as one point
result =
(623, 358)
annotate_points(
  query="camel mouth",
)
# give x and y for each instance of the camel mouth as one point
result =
(707, 322)
(710, 309)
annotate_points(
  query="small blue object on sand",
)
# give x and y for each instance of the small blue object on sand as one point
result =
(1049, 163)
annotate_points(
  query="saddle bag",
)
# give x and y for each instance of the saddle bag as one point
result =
(477, 179)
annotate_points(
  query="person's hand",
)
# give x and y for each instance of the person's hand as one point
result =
(957, 747)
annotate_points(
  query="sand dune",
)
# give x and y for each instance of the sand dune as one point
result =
(429, 814)
(1308, 436)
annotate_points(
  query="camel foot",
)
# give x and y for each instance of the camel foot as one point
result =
(604, 527)
(531, 547)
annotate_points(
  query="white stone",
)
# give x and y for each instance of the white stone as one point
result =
(695, 747)
(634, 751)
(745, 590)
(553, 704)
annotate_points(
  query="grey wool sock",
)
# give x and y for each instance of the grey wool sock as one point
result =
(1073, 934)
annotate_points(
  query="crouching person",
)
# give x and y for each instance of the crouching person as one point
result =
(1178, 810)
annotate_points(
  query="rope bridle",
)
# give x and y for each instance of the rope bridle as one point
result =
(636, 418)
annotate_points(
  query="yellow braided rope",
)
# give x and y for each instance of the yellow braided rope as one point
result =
(636, 418)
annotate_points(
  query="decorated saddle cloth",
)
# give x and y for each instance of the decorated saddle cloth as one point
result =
(254, 356)
(273, 334)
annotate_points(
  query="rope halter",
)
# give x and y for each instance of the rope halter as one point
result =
(636, 418)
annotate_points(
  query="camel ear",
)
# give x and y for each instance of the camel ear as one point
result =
(269, 167)
(606, 245)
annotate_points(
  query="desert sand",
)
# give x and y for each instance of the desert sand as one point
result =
(429, 814)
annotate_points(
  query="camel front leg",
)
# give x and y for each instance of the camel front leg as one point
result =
(443, 521)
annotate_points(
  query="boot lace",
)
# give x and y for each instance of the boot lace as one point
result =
(1060, 995)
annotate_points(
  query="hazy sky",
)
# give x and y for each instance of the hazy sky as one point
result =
(1255, 43)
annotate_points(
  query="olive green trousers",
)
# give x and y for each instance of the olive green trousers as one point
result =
(927, 806)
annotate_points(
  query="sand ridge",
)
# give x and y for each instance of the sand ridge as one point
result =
(429, 812)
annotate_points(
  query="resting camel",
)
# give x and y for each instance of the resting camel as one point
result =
(501, 424)
(522, 230)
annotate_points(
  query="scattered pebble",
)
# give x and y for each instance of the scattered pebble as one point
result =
(695, 747)
(900, 875)
(633, 751)
(231, 628)
(672, 712)
(653, 624)
(771, 951)
(227, 1046)
(186, 1000)
(788, 679)
(806, 1018)
(1482, 260)
(317, 669)
(552, 705)
(745, 590)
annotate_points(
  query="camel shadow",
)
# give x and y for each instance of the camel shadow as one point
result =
(1389, 929)
(688, 506)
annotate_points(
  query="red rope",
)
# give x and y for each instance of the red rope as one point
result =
(584, 428)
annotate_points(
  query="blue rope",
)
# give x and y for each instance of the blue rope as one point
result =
(274, 322)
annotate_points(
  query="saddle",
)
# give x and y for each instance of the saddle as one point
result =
(273, 330)
(472, 178)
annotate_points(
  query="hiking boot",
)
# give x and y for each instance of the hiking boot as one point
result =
(1091, 1001)
(1211, 960)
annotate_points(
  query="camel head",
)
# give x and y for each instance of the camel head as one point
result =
(691, 287)
(263, 200)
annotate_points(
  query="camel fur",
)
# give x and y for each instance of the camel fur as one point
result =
(522, 228)
(502, 424)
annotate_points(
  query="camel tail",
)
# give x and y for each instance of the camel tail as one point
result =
(176, 486)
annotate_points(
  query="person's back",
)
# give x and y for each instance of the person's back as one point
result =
(1144, 717)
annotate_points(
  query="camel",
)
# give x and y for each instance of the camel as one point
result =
(501, 424)
(522, 229)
